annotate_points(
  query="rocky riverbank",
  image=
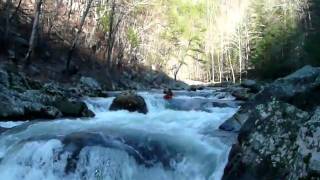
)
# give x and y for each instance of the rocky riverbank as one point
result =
(279, 130)
(22, 98)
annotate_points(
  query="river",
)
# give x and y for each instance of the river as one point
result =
(175, 140)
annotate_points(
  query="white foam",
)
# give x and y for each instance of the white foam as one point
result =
(25, 155)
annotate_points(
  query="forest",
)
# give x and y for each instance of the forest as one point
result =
(160, 89)
(203, 40)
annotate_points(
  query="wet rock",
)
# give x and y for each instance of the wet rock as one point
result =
(222, 104)
(16, 106)
(18, 82)
(4, 78)
(235, 123)
(192, 88)
(145, 150)
(252, 85)
(24, 99)
(53, 89)
(241, 94)
(34, 84)
(67, 106)
(129, 101)
(308, 156)
(89, 87)
(267, 143)
(300, 83)
(73, 108)
(299, 89)
(195, 88)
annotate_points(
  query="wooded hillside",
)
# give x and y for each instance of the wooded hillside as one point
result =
(205, 40)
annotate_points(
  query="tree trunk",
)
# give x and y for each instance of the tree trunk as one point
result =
(7, 29)
(212, 66)
(34, 33)
(75, 41)
(111, 35)
(70, 9)
(177, 71)
(16, 11)
(240, 54)
(232, 70)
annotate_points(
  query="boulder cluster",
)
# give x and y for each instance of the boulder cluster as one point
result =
(22, 98)
(279, 130)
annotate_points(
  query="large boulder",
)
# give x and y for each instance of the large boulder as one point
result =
(268, 144)
(294, 87)
(129, 101)
(308, 156)
(300, 89)
(279, 131)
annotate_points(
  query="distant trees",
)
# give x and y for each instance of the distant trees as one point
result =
(254, 34)
(278, 36)
(204, 40)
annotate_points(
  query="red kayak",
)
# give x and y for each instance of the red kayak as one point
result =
(167, 97)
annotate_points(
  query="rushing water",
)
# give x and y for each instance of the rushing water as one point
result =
(175, 140)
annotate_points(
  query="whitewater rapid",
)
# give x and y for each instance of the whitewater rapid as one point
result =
(176, 140)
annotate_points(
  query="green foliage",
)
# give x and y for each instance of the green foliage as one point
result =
(186, 19)
(105, 21)
(133, 37)
(278, 37)
(185, 27)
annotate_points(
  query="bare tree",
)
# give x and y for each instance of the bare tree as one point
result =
(34, 32)
(75, 41)
(16, 11)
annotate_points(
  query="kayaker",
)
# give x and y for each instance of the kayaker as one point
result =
(168, 94)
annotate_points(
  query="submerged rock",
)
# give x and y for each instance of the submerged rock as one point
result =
(145, 150)
(129, 101)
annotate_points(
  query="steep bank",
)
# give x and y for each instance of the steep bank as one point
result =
(278, 131)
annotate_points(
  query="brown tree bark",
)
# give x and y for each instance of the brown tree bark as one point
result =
(75, 41)
(34, 33)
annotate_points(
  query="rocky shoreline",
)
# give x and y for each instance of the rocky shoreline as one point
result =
(22, 98)
(279, 130)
